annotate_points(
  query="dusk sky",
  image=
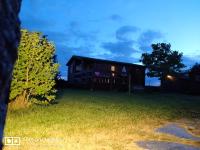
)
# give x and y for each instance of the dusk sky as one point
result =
(115, 29)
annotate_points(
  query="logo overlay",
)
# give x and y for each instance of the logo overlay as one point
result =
(12, 141)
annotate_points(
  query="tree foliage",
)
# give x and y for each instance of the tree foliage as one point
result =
(195, 72)
(162, 61)
(195, 68)
(35, 69)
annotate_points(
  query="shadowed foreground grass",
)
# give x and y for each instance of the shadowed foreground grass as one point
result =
(98, 120)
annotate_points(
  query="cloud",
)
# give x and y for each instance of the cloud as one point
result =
(120, 48)
(126, 48)
(116, 17)
(72, 35)
(147, 38)
(77, 35)
(123, 33)
(123, 48)
(72, 40)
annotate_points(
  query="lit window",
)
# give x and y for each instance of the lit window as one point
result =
(169, 77)
(113, 74)
(112, 68)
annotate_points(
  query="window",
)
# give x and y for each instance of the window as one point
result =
(124, 69)
(113, 68)
(197, 78)
(114, 81)
(97, 74)
(71, 69)
(78, 68)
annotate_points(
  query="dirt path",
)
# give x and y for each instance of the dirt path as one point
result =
(184, 129)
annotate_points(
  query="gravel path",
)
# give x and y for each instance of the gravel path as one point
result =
(177, 131)
(156, 145)
(172, 129)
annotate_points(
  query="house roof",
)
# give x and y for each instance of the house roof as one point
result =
(101, 60)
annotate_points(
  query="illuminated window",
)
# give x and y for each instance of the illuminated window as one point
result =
(113, 74)
(169, 77)
(112, 68)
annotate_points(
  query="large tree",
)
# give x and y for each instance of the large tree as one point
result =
(35, 70)
(162, 61)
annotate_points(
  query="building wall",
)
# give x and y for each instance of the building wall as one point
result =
(99, 75)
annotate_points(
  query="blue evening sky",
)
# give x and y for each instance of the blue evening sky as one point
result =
(115, 29)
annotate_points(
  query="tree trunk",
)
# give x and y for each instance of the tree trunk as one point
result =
(162, 82)
(129, 84)
(9, 39)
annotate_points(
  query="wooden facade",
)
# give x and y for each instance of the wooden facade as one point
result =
(104, 74)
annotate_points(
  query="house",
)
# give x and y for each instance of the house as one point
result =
(194, 77)
(185, 82)
(105, 74)
(194, 73)
(178, 82)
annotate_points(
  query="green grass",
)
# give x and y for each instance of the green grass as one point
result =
(98, 120)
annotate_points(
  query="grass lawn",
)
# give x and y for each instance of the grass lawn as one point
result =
(100, 120)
